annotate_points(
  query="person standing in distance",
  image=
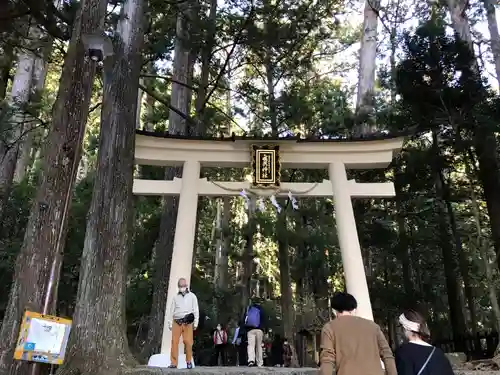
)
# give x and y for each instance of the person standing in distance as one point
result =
(184, 316)
(351, 345)
(254, 321)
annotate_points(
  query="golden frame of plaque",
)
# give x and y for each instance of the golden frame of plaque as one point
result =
(266, 166)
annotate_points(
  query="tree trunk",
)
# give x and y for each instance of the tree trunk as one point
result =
(462, 257)
(180, 99)
(457, 319)
(6, 62)
(182, 72)
(366, 77)
(150, 110)
(460, 22)
(11, 139)
(206, 54)
(149, 103)
(271, 100)
(247, 261)
(391, 332)
(285, 279)
(140, 95)
(491, 17)
(99, 317)
(287, 308)
(217, 236)
(226, 243)
(47, 224)
(482, 244)
(38, 82)
(404, 246)
(486, 150)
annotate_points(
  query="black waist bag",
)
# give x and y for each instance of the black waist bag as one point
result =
(188, 319)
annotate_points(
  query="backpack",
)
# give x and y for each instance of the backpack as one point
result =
(253, 317)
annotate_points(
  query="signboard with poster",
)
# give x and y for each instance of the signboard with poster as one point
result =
(42, 338)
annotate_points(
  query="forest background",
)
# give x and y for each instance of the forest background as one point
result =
(428, 70)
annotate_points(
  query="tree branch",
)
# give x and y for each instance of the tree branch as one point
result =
(165, 103)
(237, 40)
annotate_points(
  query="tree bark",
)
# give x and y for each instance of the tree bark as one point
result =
(150, 110)
(460, 22)
(486, 149)
(287, 308)
(182, 72)
(140, 95)
(285, 279)
(11, 139)
(62, 151)
(366, 77)
(98, 342)
(248, 255)
(457, 319)
(222, 242)
(206, 54)
(38, 83)
(491, 18)
(404, 246)
(482, 244)
(463, 262)
(6, 62)
(226, 242)
(217, 236)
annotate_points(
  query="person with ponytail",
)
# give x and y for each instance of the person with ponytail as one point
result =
(416, 356)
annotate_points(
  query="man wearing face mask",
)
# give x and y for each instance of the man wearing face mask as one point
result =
(184, 316)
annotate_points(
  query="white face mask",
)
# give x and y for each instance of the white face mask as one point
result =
(182, 289)
(219, 328)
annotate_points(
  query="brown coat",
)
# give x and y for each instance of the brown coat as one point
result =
(354, 346)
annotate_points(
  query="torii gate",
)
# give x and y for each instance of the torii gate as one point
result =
(335, 155)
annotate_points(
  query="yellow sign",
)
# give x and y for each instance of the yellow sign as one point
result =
(42, 338)
(266, 166)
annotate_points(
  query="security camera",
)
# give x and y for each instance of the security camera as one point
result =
(98, 46)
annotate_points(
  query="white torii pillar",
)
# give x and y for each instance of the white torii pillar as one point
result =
(350, 249)
(182, 255)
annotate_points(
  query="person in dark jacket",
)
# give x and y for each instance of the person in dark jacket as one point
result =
(255, 324)
(287, 353)
(242, 344)
(277, 352)
(416, 356)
